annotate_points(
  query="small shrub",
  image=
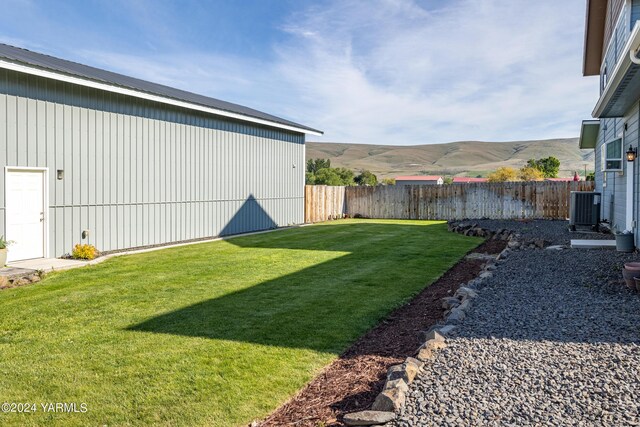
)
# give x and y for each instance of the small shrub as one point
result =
(503, 174)
(84, 252)
(529, 173)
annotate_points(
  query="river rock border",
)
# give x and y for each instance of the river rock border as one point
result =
(515, 240)
(392, 399)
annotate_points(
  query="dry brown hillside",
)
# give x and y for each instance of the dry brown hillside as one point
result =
(456, 158)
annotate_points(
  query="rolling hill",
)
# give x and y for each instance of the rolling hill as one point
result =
(464, 158)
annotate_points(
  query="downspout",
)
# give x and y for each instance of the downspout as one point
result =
(612, 207)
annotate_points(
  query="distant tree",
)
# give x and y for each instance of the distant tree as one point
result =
(448, 180)
(591, 176)
(503, 174)
(389, 181)
(327, 176)
(529, 173)
(314, 165)
(346, 176)
(309, 178)
(549, 166)
(366, 178)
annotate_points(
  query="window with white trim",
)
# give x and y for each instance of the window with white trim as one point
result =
(611, 155)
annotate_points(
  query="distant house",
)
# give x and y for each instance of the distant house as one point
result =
(91, 156)
(611, 46)
(467, 180)
(419, 180)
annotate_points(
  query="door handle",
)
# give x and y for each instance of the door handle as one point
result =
(41, 216)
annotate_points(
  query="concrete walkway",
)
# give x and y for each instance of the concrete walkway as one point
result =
(45, 264)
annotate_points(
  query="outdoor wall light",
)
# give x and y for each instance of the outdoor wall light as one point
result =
(631, 154)
(60, 174)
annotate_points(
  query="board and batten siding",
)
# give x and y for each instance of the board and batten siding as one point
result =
(609, 183)
(614, 9)
(613, 185)
(140, 173)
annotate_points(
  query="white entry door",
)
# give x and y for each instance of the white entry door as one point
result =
(25, 213)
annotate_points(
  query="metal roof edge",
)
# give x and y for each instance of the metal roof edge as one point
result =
(81, 81)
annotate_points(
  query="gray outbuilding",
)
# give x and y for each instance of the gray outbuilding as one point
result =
(92, 156)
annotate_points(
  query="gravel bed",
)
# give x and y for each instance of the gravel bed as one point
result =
(555, 232)
(552, 339)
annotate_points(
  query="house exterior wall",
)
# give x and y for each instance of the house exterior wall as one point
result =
(613, 185)
(140, 173)
(610, 184)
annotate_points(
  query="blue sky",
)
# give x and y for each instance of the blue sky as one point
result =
(377, 71)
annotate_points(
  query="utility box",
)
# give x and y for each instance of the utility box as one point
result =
(585, 209)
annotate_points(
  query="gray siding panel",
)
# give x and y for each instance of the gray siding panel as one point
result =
(139, 173)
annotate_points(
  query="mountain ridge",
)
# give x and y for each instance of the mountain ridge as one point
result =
(460, 158)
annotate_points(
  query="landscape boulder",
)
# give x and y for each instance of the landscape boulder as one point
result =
(450, 302)
(465, 305)
(390, 400)
(456, 316)
(399, 383)
(464, 292)
(434, 335)
(513, 244)
(407, 371)
(368, 418)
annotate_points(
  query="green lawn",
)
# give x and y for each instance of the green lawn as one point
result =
(217, 333)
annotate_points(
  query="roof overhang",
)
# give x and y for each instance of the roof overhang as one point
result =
(40, 72)
(589, 134)
(594, 37)
(623, 87)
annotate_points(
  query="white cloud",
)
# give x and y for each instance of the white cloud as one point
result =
(394, 72)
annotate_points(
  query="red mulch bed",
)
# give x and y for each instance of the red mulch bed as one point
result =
(352, 382)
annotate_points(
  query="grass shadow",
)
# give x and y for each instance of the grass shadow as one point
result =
(325, 307)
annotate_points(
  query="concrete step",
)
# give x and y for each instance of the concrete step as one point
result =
(593, 244)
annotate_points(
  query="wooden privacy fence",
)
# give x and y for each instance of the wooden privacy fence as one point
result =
(323, 203)
(510, 200)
